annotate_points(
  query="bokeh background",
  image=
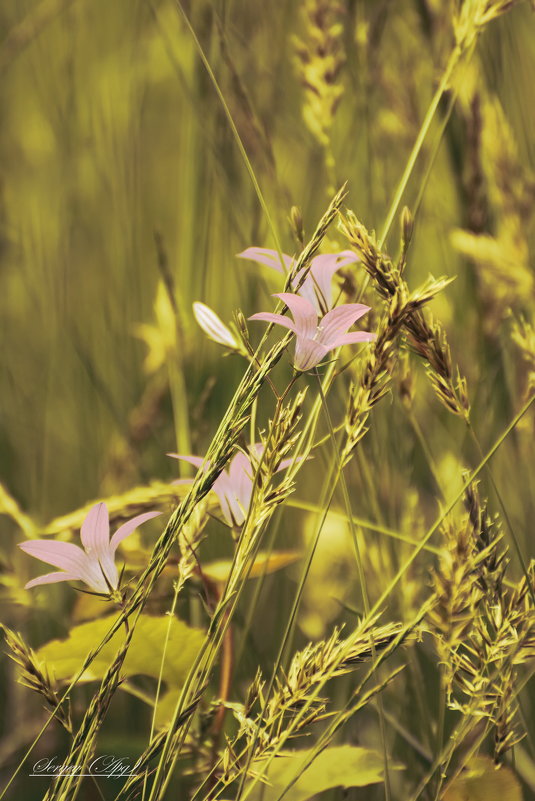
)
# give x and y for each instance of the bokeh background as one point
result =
(124, 197)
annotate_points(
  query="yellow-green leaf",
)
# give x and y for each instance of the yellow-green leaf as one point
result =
(336, 766)
(65, 657)
(483, 781)
(264, 563)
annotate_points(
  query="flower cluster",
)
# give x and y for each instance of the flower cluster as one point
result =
(318, 327)
(317, 285)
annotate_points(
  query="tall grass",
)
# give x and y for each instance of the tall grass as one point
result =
(368, 630)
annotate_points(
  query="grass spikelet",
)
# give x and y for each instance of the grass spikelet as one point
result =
(263, 724)
(66, 785)
(426, 336)
(523, 335)
(483, 630)
(499, 247)
(34, 674)
(474, 15)
(319, 59)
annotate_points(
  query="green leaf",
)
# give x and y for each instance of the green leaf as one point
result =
(166, 708)
(65, 657)
(264, 563)
(336, 766)
(483, 781)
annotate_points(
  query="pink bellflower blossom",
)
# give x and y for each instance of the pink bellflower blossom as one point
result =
(317, 286)
(234, 486)
(95, 563)
(316, 335)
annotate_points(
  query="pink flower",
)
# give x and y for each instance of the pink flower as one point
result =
(95, 563)
(234, 487)
(317, 286)
(316, 336)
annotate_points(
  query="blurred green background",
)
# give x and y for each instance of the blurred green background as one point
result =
(124, 197)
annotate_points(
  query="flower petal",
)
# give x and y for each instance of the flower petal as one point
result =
(317, 286)
(228, 502)
(304, 313)
(196, 461)
(95, 535)
(64, 555)
(337, 321)
(321, 276)
(309, 353)
(353, 338)
(212, 326)
(50, 578)
(346, 257)
(270, 317)
(241, 473)
(95, 531)
(267, 256)
(127, 528)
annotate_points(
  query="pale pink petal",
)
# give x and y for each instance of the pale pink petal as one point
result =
(317, 286)
(50, 578)
(306, 290)
(225, 507)
(127, 528)
(346, 257)
(213, 326)
(309, 353)
(233, 511)
(229, 506)
(240, 465)
(256, 450)
(321, 275)
(238, 511)
(337, 321)
(76, 562)
(95, 535)
(270, 317)
(353, 338)
(95, 531)
(304, 313)
(196, 461)
(241, 473)
(267, 256)
(64, 555)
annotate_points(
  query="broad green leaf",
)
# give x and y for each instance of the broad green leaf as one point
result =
(65, 657)
(483, 781)
(166, 707)
(155, 495)
(264, 563)
(336, 766)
